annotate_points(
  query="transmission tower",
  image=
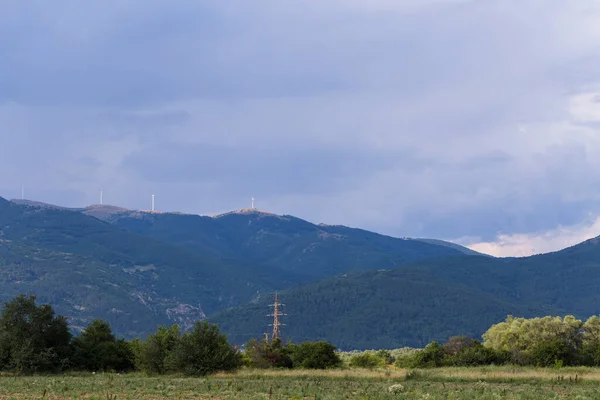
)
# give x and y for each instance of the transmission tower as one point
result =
(276, 314)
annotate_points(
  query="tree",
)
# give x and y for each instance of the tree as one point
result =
(430, 357)
(551, 351)
(590, 349)
(467, 352)
(314, 355)
(97, 349)
(519, 337)
(155, 355)
(205, 351)
(262, 354)
(366, 360)
(33, 338)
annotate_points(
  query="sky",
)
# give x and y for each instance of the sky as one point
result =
(476, 121)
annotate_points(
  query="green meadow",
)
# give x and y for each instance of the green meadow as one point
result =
(442, 383)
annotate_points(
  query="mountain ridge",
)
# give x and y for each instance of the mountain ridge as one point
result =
(110, 262)
(108, 212)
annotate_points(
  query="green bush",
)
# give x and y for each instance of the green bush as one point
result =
(314, 355)
(204, 351)
(366, 360)
(262, 354)
(97, 349)
(155, 355)
(386, 356)
(467, 352)
(547, 353)
(431, 356)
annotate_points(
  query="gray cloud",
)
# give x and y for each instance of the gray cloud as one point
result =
(440, 118)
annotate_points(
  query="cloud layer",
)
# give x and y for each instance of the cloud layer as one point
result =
(446, 119)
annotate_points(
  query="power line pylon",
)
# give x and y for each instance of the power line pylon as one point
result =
(276, 314)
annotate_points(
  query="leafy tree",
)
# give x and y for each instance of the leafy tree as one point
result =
(590, 348)
(262, 354)
(366, 360)
(32, 338)
(205, 350)
(430, 357)
(468, 352)
(314, 355)
(155, 355)
(548, 352)
(525, 339)
(97, 349)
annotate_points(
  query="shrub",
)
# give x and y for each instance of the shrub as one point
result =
(314, 355)
(262, 354)
(386, 356)
(97, 349)
(205, 351)
(431, 356)
(366, 360)
(467, 352)
(546, 353)
(155, 355)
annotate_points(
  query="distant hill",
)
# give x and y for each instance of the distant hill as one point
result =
(432, 299)
(455, 246)
(138, 269)
(356, 288)
(375, 309)
(90, 269)
(283, 242)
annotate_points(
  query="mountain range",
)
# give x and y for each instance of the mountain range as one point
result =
(357, 289)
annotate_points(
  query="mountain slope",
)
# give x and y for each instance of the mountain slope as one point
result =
(432, 299)
(375, 309)
(283, 242)
(95, 267)
(138, 269)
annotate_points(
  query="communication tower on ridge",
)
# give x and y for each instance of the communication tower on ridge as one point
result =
(276, 314)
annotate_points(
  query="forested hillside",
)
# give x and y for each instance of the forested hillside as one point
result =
(88, 269)
(140, 269)
(377, 309)
(283, 242)
(432, 299)
(354, 288)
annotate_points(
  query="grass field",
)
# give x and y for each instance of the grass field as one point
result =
(445, 383)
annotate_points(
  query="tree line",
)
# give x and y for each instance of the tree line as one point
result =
(544, 342)
(33, 339)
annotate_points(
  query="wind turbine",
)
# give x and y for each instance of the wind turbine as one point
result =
(253, 203)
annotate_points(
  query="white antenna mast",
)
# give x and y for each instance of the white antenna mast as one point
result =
(253, 203)
(152, 202)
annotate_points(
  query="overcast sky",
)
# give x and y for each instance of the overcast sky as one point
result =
(476, 121)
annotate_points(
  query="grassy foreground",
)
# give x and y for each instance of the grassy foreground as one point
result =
(445, 383)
